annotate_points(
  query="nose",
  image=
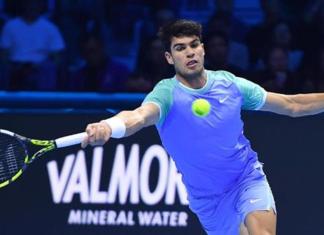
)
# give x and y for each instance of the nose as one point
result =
(190, 53)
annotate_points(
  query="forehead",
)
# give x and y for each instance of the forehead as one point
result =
(183, 40)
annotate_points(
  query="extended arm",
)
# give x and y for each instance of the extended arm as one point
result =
(100, 132)
(294, 105)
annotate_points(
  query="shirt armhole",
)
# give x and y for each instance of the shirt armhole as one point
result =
(264, 98)
(158, 105)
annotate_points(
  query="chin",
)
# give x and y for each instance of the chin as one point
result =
(198, 70)
(194, 73)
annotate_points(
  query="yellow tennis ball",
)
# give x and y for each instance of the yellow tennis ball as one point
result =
(200, 107)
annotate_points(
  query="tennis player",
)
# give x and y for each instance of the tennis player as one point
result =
(227, 188)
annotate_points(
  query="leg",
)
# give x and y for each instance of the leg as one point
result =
(261, 223)
(257, 207)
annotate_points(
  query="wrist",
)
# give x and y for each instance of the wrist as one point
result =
(117, 126)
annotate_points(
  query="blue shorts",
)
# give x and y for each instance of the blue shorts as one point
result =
(223, 214)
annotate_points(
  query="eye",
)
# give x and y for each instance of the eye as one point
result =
(179, 48)
(195, 44)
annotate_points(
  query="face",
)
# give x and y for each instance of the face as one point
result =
(278, 60)
(93, 52)
(187, 56)
(282, 34)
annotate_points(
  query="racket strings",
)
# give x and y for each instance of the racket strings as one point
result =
(12, 156)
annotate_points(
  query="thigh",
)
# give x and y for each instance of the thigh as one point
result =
(256, 207)
(261, 222)
(254, 195)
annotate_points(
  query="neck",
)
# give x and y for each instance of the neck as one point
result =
(195, 82)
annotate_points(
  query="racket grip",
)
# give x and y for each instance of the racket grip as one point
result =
(70, 140)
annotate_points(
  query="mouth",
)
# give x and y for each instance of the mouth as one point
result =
(192, 63)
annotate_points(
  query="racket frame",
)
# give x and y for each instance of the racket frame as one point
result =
(48, 145)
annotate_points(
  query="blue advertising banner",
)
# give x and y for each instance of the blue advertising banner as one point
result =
(130, 186)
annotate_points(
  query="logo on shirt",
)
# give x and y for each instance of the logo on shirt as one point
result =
(255, 200)
(222, 100)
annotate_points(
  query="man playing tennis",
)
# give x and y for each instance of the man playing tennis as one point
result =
(226, 186)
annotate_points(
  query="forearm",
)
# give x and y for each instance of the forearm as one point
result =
(133, 121)
(121, 125)
(308, 104)
(141, 117)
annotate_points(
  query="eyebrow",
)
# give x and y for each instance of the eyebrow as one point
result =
(182, 44)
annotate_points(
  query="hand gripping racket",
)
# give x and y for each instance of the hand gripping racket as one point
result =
(15, 156)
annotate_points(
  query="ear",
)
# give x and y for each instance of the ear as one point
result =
(168, 57)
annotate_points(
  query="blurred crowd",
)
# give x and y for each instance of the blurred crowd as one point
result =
(111, 45)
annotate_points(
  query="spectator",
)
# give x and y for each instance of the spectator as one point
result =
(237, 29)
(82, 16)
(151, 67)
(259, 37)
(276, 76)
(282, 35)
(313, 34)
(217, 48)
(161, 17)
(32, 46)
(313, 74)
(238, 54)
(99, 72)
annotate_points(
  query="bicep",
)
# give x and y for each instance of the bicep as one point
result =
(279, 103)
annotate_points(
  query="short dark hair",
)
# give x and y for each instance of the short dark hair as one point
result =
(179, 28)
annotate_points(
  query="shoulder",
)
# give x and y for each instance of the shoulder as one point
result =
(221, 74)
(162, 90)
(162, 97)
(167, 83)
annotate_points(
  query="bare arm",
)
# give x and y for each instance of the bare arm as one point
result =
(100, 132)
(294, 105)
(146, 115)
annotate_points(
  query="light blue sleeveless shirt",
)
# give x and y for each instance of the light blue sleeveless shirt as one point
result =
(211, 152)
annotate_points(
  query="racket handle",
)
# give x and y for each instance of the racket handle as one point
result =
(70, 140)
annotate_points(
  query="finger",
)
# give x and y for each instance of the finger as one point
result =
(91, 132)
(85, 142)
(107, 130)
(99, 135)
(90, 129)
(92, 138)
(102, 134)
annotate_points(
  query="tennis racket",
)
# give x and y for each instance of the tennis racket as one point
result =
(15, 156)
